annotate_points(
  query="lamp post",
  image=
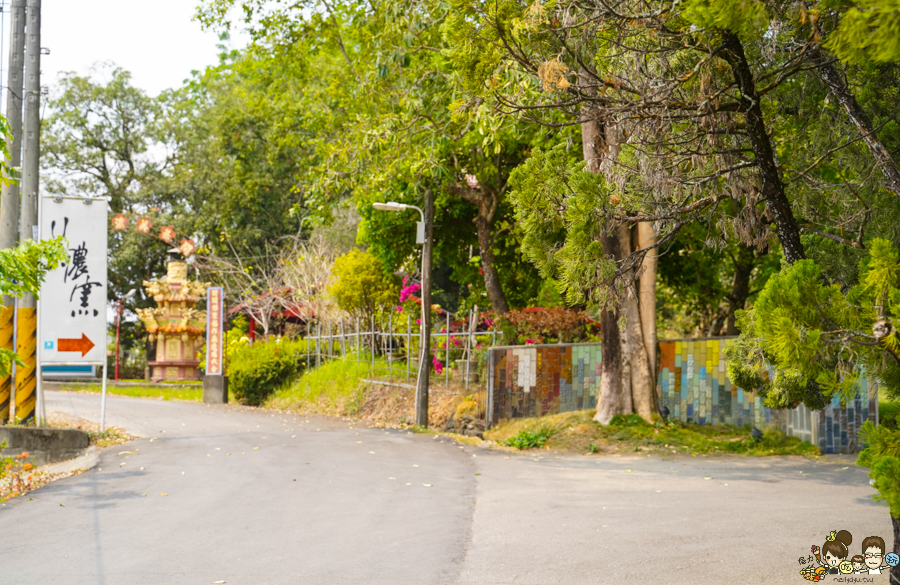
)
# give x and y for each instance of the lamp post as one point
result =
(128, 296)
(423, 237)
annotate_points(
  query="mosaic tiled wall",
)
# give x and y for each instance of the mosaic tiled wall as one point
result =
(694, 386)
(535, 380)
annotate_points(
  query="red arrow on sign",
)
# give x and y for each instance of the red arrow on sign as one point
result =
(83, 345)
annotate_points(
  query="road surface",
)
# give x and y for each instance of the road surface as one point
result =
(260, 498)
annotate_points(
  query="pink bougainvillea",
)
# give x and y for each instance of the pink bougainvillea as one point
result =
(529, 342)
(438, 366)
(408, 291)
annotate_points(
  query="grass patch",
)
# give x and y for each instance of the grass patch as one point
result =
(333, 388)
(578, 432)
(192, 394)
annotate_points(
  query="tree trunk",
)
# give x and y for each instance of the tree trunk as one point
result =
(486, 200)
(642, 388)
(610, 400)
(895, 571)
(646, 237)
(777, 204)
(491, 277)
(740, 285)
(842, 93)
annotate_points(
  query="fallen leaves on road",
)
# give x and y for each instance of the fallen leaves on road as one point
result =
(218, 582)
(255, 448)
(628, 471)
(163, 495)
(707, 478)
(427, 484)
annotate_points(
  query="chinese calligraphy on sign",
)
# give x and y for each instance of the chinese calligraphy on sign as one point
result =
(214, 322)
(73, 297)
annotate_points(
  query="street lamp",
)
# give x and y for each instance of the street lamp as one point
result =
(127, 297)
(394, 206)
(423, 238)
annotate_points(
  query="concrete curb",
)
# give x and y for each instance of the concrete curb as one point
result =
(84, 462)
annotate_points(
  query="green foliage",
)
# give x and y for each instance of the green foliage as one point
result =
(22, 270)
(868, 31)
(361, 286)
(817, 336)
(700, 286)
(744, 17)
(529, 439)
(256, 371)
(882, 457)
(560, 207)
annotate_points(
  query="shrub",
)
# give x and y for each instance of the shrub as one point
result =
(362, 286)
(256, 371)
(529, 439)
(545, 325)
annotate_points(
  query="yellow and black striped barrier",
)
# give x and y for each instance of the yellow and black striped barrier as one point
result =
(6, 342)
(26, 379)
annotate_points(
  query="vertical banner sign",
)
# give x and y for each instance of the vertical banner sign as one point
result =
(214, 326)
(73, 297)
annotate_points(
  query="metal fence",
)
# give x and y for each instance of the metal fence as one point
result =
(391, 350)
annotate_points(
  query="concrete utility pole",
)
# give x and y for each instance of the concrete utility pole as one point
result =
(32, 153)
(9, 194)
(425, 343)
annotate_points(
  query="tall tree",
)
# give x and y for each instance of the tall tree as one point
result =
(394, 125)
(692, 111)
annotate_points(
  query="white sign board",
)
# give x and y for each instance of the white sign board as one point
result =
(72, 309)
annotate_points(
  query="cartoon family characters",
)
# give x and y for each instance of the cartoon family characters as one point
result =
(834, 551)
(832, 557)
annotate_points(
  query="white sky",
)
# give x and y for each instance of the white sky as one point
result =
(158, 42)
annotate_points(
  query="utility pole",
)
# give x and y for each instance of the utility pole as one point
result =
(32, 133)
(26, 396)
(425, 343)
(9, 194)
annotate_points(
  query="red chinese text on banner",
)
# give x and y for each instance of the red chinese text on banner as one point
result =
(214, 331)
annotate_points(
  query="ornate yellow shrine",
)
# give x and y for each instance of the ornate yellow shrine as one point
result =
(175, 325)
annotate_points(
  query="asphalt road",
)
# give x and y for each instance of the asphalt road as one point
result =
(261, 498)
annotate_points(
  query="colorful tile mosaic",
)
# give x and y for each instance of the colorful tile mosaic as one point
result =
(536, 380)
(693, 384)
